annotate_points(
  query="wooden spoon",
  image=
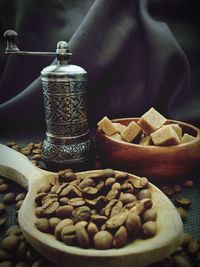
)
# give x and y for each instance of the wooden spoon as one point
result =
(139, 253)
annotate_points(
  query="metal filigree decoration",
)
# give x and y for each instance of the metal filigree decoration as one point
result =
(65, 108)
(67, 153)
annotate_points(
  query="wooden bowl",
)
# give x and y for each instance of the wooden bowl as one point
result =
(156, 162)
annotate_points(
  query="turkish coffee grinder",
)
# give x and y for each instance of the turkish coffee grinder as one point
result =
(67, 140)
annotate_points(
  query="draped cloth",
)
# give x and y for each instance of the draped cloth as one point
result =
(137, 53)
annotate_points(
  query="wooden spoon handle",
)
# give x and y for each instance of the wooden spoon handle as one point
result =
(17, 167)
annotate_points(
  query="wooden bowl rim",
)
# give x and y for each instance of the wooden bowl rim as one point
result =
(150, 147)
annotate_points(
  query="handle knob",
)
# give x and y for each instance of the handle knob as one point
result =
(11, 37)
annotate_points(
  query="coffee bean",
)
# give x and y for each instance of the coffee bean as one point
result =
(60, 226)
(183, 201)
(150, 215)
(67, 175)
(76, 202)
(42, 224)
(19, 204)
(53, 222)
(103, 240)
(81, 214)
(10, 243)
(92, 229)
(145, 193)
(177, 188)
(188, 183)
(4, 187)
(82, 235)
(193, 246)
(20, 196)
(86, 183)
(64, 211)
(168, 190)
(180, 261)
(68, 235)
(38, 263)
(9, 198)
(133, 223)
(116, 221)
(186, 239)
(13, 230)
(109, 181)
(149, 229)
(182, 212)
(36, 157)
(127, 198)
(21, 250)
(120, 237)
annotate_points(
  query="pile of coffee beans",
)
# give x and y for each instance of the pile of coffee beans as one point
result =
(108, 209)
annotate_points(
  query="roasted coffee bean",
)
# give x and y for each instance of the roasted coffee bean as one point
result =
(50, 207)
(145, 193)
(4, 187)
(63, 201)
(36, 145)
(127, 198)
(193, 246)
(120, 237)
(25, 151)
(188, 183)
(53, 222)
(39, 198)
(112, 194)
(116, 186)
(103, 240)
(98, 219)
(108, 208)
(20, 196)
(92, 229)
(9, 198)
(60, 226)
(67, 175)
(76, 202)
(68, 235)
(86, 183)
(182, 212)
(127, 188)
(37, 151)
(11, 143)
(90, 192)
(81, 214)
(21, 250)
(10, 243)
(144, 182)
(19, 204)
(36, 157)
(177, 188)
(82, 235)
(64, 190)
(38, 263)
(150, 215)
(109, 181)
(64, 211)
(186, 239)
(13, 230)
(116, 221)
(54, 188)
(133, 223)
(180, 261)
(39, 212)
(106, 173)
(183, 201)
(149, 229)
(42, 224)
(168, 190)
(121, 177)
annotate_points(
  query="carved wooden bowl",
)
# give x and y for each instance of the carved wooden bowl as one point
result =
(156, 162)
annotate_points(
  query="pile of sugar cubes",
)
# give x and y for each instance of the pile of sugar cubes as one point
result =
(150, 129)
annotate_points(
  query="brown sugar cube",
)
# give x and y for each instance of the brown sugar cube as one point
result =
(132, 131)
(187, 138)
(116, 136)
(151, 121)
(119, 127)
(178, 129)
(107, 126)
(146, 141)
(165, 136)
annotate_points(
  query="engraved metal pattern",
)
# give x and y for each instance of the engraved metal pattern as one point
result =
(70, 154)
(65, 107)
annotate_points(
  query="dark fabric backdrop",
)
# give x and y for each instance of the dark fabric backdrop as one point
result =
(138, 54)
